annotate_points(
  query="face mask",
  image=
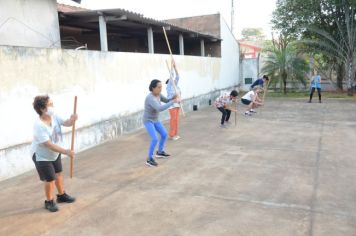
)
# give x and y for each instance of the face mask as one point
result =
(50, 111)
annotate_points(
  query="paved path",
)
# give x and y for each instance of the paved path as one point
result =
(289, 170)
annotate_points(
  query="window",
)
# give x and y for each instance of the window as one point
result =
(248, 80)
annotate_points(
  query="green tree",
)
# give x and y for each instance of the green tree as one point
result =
(254, 34)
(284, 65)
(342, 44)
(330, 24)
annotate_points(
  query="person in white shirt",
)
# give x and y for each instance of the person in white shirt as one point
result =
(47, 148)
(252, 100)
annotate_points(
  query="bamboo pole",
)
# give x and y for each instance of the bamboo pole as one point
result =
(73, 139)
(265, 92)
(168, 44)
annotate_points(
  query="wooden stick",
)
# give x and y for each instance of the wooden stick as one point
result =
(169, 68)
(73, 138)
(167, 41)
(174, 86)
(265, 92)
(230, 109)
(235, 113)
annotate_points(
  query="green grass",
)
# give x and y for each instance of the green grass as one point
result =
(341, 95)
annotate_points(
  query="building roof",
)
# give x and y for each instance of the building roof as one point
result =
(256, 48)
(121, 18)
(67, 8)
(206, 24)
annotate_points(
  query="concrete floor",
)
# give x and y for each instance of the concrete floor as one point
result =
(289, 170)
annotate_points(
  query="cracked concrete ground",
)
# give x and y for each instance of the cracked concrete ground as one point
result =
(288, 170)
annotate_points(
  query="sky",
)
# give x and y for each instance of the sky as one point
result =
(248, 13)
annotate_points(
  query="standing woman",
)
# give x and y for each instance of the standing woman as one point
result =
(153, 107)
(315, 83)
(47, 150)
(174, 109)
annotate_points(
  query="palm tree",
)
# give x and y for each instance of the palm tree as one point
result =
(340, 45)
(283, 64)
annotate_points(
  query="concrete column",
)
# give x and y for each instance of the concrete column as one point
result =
(103, 34)
(151, 46)
(181, 44)
(202, 47)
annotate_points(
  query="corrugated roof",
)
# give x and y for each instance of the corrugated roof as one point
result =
(138, 18)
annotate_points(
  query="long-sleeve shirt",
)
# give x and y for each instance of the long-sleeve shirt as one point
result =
(258, 82)
(171, 92)
(153, 107)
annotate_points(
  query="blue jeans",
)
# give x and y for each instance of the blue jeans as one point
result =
(152, 129)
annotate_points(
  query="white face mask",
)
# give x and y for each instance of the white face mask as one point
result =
(50, 111)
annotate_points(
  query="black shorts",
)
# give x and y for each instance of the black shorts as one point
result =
(47, 170)
(245, 101)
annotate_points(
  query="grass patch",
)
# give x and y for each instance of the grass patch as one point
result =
(305, 95)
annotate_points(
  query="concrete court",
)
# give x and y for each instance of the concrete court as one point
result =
(289, 170)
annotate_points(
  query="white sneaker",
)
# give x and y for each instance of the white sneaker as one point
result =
(247, 113)
(253, 111)
(175, 138)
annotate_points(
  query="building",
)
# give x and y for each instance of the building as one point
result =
(30, 23)
(250, 63)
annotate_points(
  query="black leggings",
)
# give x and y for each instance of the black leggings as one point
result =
(225, 114)
(312, 92)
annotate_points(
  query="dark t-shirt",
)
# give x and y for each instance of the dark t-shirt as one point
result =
(258, 82)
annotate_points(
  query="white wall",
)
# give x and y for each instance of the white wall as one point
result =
(30, 23)
(249, 70)
(108, 85)
(230, 54)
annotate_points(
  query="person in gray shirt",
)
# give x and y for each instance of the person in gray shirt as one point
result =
(153, 107)
(46, 150)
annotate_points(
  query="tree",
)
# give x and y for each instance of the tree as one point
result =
(342, 44)
(253, 34)
(318, 20)
(283, 64)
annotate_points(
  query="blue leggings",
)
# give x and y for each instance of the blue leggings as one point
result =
(152, 128)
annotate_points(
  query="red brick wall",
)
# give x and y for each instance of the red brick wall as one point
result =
(209, 24)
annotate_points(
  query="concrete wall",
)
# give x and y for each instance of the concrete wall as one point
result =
(230, 55)
(31, 23)
(111, 89)
(249, 69)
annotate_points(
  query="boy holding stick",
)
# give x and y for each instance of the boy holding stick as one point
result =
(222, 104)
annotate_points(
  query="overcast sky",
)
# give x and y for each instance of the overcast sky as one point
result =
(248, 13)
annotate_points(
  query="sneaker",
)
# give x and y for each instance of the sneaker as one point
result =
(253, 111)
(162, 155)
(247, 113)
(223, 126)
(65, 198)
(175, 138)
(151, 162)
(51, 206)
